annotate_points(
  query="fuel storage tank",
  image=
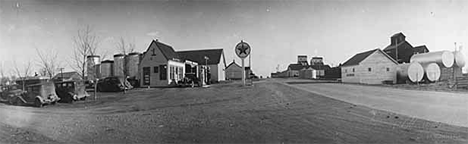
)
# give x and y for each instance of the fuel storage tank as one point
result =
(119, 60)
(442, 58)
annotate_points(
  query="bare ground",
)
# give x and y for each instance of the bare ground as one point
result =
(268, 112)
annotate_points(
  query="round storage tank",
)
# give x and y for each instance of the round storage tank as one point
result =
(432, 72)
(459, 58)
(107, 68)
(91, 62)
(133, 60)
(442, 58)
(415, 72)
(119, 64)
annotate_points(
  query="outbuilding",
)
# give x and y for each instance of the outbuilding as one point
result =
(234, 71)
(370, 67)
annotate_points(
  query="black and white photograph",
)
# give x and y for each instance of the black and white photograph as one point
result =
(233, 71)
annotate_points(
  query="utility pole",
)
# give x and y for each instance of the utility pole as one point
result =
(61, 73)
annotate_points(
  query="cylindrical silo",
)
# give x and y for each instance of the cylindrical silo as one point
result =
(107, 68)
(432, 72)
(459, 58)
(413, 72)
(442, 58)
(119, 60)
(97, 69)
(91, 62)
(133, 61)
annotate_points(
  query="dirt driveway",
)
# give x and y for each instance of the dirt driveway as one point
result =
(268, 112)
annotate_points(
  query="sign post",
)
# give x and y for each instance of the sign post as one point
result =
(242, 50)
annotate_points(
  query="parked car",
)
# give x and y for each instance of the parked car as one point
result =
(70, 91)
(113, 84)
(10, 93)
(36, 94)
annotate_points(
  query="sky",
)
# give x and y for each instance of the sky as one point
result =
(277, 30)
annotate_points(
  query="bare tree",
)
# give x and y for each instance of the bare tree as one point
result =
(125, 48)
(24, 73)
(48, 62)
(85, 44)
(4, 79)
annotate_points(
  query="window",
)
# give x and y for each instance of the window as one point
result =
(155, 69)
(369, 69)
(353, 69)
(388, 69)
(345, 70)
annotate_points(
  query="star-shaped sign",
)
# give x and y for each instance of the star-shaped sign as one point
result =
(242, 49)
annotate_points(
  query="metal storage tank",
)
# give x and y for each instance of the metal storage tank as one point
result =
(91, 62)
(133, 61)
(459, 58)
(413, 72)
(119, 64)
(97, 69)
(432, 72)
(442, 58)
(107, 68)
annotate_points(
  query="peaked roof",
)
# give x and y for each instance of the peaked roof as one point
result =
(358, 58)
(421, 49)
(66, 75)
(398, 34)
(214, 56)
(165, 49)
(390, 47)
(233, 63)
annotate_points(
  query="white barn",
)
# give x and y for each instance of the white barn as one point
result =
(370, 67)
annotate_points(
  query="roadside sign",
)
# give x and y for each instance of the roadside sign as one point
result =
(242, 49)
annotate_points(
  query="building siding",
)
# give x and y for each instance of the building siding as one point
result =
(378, 64)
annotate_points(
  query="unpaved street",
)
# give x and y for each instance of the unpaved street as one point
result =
(269, 112)
(446, 107)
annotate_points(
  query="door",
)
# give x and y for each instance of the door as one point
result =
(146, 75)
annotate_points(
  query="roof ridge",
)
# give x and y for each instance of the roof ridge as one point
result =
(200, 50)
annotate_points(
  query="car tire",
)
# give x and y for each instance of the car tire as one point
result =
(38, 103)
(18, 101)
(11, 100)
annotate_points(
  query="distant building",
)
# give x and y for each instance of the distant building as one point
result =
(316, 61)
(370, 67)
(302, 60)
(307, 73)
(67, 76)
(234, 71)
(405, 49)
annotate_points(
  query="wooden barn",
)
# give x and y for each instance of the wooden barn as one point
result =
(370, 67)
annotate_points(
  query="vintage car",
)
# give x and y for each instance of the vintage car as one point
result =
(69, 91)
(40, 94)
(10, 94)
(113, 84)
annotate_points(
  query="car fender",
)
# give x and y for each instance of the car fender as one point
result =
(40, 99)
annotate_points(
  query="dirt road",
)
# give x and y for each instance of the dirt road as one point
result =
(269, 112)
(446, 107)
